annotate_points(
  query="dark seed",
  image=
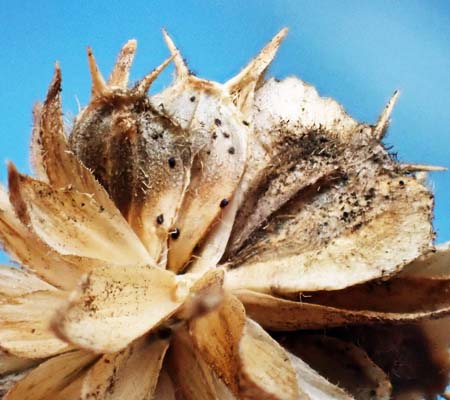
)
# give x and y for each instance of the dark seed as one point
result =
(357, 226)
(164, 333)
(175, 234)
(172, 162)
(160, 219)
(214, 135)
(224, 203)
(231, 150)
(401, 183)
(192, 98)
(218, 122)
(226, 134)
(245, 123)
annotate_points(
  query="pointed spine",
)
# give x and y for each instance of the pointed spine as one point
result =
(408, 168)
(99, 87)
(253, 71)
(242, 87)
(144, 85)
(121, 71)
(383, 121)
(180, 65)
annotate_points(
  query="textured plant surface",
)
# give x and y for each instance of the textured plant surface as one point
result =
(246, 240)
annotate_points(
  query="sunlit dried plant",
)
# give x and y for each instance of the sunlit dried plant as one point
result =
(163, 240)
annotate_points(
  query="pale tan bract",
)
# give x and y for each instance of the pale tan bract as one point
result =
(160, 239)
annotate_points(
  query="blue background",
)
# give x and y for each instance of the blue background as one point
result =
(358, 52)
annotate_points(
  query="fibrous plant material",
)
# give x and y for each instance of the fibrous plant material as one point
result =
(195, 244)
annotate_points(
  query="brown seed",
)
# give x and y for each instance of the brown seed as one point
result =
(164, 333)
(224, 203)
(160, 219)
(172, 162)
(175, 234)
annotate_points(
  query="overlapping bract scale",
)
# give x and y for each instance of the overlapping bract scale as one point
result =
(166, 233)
(27, 306)
(131, 373)
(322, 190)
(219, 147)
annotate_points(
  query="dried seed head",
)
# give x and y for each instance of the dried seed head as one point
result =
(127, 142)
(314, 211)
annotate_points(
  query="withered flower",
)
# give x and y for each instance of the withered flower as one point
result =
(160, 240)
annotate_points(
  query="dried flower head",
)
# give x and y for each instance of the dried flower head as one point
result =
(160, 240)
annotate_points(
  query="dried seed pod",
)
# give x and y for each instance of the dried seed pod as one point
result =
(137, 153)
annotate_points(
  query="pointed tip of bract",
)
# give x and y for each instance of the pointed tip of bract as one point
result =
(13, 173)
(130, 45)
(144, 85)
(13, 179)
(121, 71)
(56, 74)
(242, 86)
(55, 85)
(407, 168)
(258, 65)
(180, 65)
(99, 87)
(15, 197)
(10, 165)
(382, 124)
